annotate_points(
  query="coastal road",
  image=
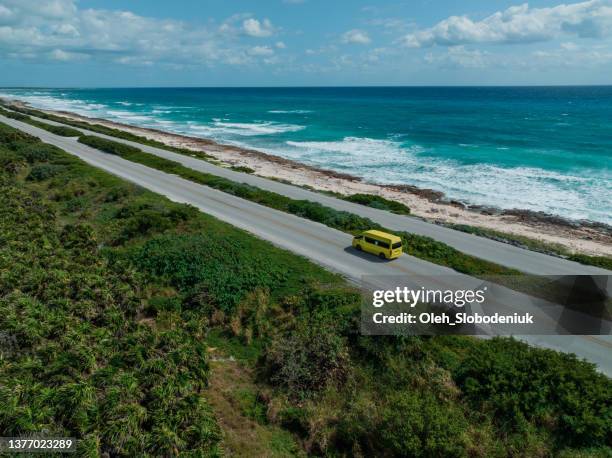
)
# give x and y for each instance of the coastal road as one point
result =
(323, 245)
(501, 253)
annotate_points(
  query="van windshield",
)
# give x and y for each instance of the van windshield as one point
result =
(397, 245)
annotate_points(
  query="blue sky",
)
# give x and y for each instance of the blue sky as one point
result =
(303, 42)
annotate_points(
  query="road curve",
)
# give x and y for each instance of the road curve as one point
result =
(325, 246)
(501, 253)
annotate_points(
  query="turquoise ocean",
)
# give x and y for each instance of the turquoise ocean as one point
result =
(538, 148)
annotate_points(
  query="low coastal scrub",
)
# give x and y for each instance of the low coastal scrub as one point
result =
(99, 128)
(107, 323)
(599, 261)
(371, 200)
(605, 262)
(64, 131)
(14, 115)
(57, 130)
(415, 245)
(242, 169)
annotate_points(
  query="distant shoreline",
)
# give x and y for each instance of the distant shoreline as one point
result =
(576, 236)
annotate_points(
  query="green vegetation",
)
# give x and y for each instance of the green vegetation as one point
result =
(99, 128)
(604, 262)
(415, 245)
(14, 115)
(112, 298)
(371, 200)
(242, 169)
(94, 349)
(363, 199)
(57, 130)
(77, 356)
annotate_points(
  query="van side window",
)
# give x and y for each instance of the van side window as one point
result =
(369, 240)
(383, 244)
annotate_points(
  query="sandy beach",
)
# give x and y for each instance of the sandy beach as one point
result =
(574, 236)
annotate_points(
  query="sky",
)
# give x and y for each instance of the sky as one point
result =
(78, 43)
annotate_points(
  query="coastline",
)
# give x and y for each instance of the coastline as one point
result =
(582, 237)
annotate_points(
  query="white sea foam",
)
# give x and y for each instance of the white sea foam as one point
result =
(130, 116)
(384, 161)
(220, 128)
(289, 111)
(47, 102)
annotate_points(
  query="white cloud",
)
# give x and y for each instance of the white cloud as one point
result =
(256, 28)
(458, 56)
(66, 29)
(570, 55)
(5, 13)
(58, 30)
(519, 24)
(356, 36)
(64, 56)
(280, 45)
(569, 46)
(261, 51)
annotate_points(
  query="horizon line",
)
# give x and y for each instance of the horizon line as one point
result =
(314, 86)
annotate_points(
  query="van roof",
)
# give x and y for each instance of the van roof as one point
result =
(383, 235)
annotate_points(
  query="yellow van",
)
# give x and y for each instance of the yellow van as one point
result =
(385, 246)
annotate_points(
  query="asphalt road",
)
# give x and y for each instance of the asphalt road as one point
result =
(490, 250)
(323, 245)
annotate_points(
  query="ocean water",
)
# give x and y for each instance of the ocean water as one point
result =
(538, 148)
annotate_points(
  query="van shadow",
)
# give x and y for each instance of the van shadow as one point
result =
(365, 256)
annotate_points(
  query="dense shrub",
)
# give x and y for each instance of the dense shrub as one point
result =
(374, 201)
(522, 386)
(604, 262)
(11, 162)
(13, 139)
(242, 168)
(334, 218)
(226, 269)
(418, 424)
(79, 237)
(39, 152)
(57, 130)
(43, 172)
(440, 253)
(107, 146)
(81, 363)
(307, 359)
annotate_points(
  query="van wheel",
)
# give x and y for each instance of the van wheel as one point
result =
(382, 256)
(358, 248)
